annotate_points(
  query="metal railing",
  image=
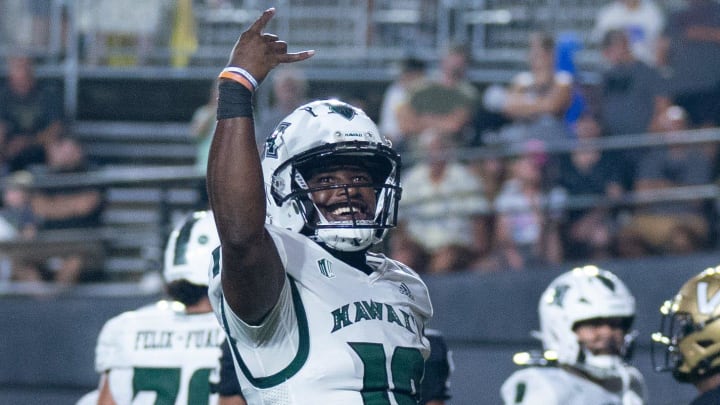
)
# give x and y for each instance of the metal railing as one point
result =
(355, 40)
(166, 178)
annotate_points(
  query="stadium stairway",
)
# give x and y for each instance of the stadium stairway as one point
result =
(143, 167)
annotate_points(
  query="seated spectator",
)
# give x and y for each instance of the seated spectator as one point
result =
(443, 227)
(587, 233)
(537, 100)
(16, 210)
(675, 227)
(526, 234)
(31, 116)
(443, 104)
(19, 222)
(412, 74)
(690, 50)
(492, 171)
(642, 21)
(202, 129)
(632, 97)
(25, 24)
(289, 91)
(67, 208)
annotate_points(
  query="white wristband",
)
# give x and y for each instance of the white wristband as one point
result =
(244, 73)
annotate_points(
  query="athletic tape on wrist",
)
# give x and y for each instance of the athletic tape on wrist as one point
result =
(234, 100)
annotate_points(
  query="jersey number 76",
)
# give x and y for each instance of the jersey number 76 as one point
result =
(165, 382)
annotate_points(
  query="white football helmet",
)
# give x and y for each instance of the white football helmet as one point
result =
(188, 254)
(690, 329)
(581, 294)
(320, 134)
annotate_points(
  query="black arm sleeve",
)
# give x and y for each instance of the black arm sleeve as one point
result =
(435, 384)
(229, 385)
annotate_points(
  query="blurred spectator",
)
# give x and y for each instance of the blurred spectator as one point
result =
(537, 100)
(202, 129)
(18, 221)
(676, 227)
(632, 94)
(453, 71)
(526, 234)
(25, 23)
(453, 74)
(588, 233)
(690, 48)
(40, 10)
(443, 227)
(641, 20)
(31, 115)
(78, 207)
(569, 44)
(16, 211)
(444, 104)
(632, 97)
(289, 90)
(412, 74)
(492, 171)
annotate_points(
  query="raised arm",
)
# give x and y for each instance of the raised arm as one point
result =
(252, 271)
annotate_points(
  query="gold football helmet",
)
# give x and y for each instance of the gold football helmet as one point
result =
(690, 329)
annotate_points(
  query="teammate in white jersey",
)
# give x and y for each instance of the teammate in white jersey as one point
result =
(165, 353)
(690, 334)
(585, 320)
(312, 317)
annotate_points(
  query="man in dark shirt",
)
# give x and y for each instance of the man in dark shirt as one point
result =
(690, 49)
(31, 115)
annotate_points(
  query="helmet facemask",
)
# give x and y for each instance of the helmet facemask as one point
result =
(362, 226)
(610, 364)
(688, 342)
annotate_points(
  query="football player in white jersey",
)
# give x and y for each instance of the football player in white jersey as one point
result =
(585, 320)
(165, 353)
(312, 316)
(690, 334)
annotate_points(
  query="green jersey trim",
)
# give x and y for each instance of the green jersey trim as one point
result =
(300, 357)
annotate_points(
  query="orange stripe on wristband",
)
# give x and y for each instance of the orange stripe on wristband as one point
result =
(237, 78)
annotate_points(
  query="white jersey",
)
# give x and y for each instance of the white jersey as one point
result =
(557, 386)
(336, 335)
(158, 354)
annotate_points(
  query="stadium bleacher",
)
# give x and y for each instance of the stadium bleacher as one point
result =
(146, 169)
